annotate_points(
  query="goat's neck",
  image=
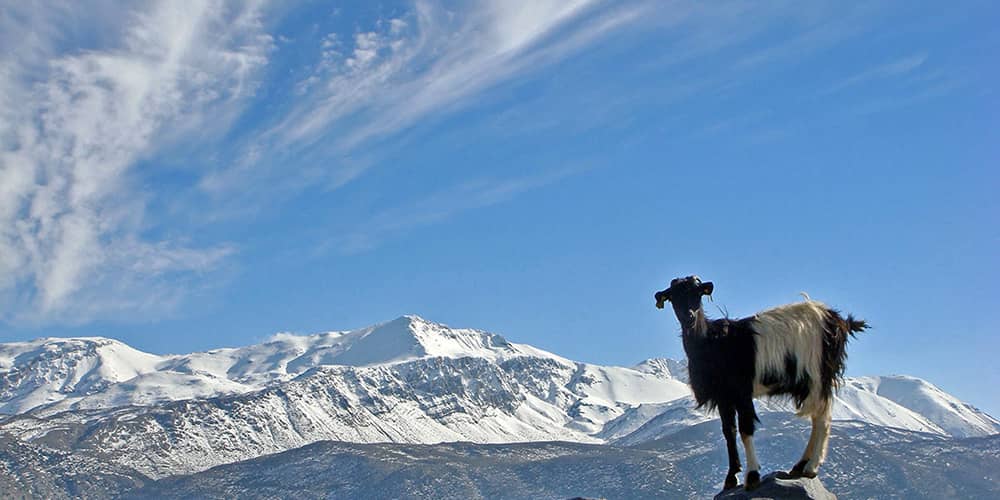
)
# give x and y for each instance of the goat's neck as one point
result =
(693, 323)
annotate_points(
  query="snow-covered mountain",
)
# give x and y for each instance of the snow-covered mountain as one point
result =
(51, 375)
(404, 381)
(944, 411)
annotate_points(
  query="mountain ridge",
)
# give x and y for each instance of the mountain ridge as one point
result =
(408, 380)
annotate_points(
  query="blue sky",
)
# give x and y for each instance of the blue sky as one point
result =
(184, 176)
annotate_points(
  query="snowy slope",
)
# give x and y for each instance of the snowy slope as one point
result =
(664, 367)
(48, 370)
(652, 421)
(945, 411)
(897, 402)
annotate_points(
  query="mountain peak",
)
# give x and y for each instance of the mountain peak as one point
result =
(388, 342)
(402, 339)
(664, 367)
(414, 318)
(411, 336)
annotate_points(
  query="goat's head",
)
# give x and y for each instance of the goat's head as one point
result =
(685, 295)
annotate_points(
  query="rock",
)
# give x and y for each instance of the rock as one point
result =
(780, 486)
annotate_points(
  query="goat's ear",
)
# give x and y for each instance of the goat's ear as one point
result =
(661, 297)
(707, 288)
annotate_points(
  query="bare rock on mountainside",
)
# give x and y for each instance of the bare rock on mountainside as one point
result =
(30, 471)
(779, 486)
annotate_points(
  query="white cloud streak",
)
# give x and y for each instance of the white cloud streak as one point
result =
(76, 242)
(403, 71)
(72, 224)
(398, 79)
(440, 206)
(371, 86)
(892, 69)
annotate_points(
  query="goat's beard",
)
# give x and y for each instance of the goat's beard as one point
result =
(697, 324)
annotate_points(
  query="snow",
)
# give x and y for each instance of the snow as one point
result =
(651, 421)
(664, 367)
(854, 402)
(48, 370)
(943, 410)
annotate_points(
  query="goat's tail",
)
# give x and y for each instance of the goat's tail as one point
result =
(856, 325)
(837, 330)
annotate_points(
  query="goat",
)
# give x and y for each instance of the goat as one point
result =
(796, 350)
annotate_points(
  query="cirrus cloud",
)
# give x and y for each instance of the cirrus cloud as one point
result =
(73, 126)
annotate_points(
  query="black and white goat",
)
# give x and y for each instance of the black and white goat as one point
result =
(796, 350)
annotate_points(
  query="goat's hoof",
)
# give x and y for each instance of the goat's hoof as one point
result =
(798, 469)
(731, 482)
(753, 480)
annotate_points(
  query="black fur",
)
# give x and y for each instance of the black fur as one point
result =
(719, 369)
(798, 468)
(727, 414)
(788, 381)
(835, 332)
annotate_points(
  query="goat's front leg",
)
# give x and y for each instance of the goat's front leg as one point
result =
(748, 420)
(728, 416)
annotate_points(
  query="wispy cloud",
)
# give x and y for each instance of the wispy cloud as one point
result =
(75, 238)
(438, 207)
(899, 83)
(400, 73)
(898, 67)
(406, 70)
(72, 224)
(78, 239)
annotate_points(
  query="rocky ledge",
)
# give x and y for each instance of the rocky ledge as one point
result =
(780, 486)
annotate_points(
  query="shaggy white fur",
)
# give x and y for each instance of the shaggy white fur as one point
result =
(796, 330)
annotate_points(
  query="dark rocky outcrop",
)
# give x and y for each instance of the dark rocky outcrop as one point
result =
(779, 486)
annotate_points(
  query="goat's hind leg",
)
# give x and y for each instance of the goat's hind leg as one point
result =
(728, 416)
(821, 422)
(800, 466)
(815, 451)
